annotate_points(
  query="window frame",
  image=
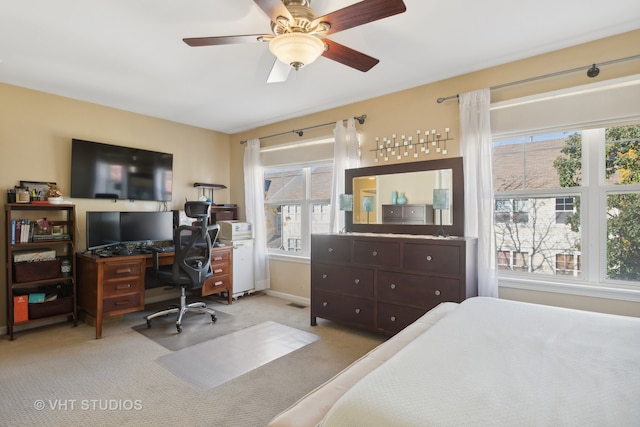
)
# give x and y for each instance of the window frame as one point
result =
(593, 193)
(306, 206)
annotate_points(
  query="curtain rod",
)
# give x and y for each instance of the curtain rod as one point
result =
(300, 132)
(593, 71)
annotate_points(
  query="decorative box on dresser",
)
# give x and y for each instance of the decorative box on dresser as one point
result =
(383, 283)
(407, 214)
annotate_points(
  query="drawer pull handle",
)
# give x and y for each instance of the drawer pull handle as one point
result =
(391, 211)
(356, 281)
(217, 258)
(330, 250)
(374, 253)
(122, 302)
(123, 286)
(218, 283)
(393, 318)
(123, 270)
(324, 304)
(217, 270)
(357, 311)
(437, 292)
(429, 258)
(324, 276)
(393, 286)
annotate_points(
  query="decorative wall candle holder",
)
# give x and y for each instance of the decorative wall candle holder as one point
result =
(426, 143)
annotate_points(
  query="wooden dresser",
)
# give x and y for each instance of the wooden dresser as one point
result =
(115, 285)
(384, 283)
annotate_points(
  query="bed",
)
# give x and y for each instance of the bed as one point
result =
(488, 361)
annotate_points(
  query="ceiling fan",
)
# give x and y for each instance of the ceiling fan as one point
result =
(298, 33)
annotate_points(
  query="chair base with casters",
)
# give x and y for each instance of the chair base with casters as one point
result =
(191, 264)
(199, 307)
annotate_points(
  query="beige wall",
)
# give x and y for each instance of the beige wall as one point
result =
(409, 110)
(35, 145)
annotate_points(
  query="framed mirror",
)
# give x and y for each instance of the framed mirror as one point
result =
(407, 198)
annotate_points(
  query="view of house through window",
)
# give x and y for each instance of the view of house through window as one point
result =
(296, 205)
(540, 183)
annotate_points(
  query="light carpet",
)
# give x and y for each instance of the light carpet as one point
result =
(214, 362)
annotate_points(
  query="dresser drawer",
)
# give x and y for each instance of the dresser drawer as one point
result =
(385, 254)
(394, 318)
(216, 284)
(391, 212)
(122, 269)
(345, 280)
(122, 304)
(439, 259)
(343, 308)
(330, 249)
(416, 290)
(124, 286)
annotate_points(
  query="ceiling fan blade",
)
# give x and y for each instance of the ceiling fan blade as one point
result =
(360, 13)
(347, 56)
(274, 8)
(213, 41)
(279, 72)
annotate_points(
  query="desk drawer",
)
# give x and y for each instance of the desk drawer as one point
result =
(122, 304)
(220, 257)
(122, 287)
(216, 284)
(221, 269)
(122, 269)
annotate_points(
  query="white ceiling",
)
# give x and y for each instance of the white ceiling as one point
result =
(129, 54)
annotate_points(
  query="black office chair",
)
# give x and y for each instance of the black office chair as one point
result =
(192, 261)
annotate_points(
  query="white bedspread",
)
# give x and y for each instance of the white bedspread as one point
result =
(505, 363)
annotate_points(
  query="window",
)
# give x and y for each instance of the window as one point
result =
(564, 209)
(548, 202)
(297, 201)
(568, 264)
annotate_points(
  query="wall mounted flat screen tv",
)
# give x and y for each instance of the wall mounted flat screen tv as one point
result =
(105, 171)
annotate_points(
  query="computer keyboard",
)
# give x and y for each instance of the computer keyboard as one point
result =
(167, 248)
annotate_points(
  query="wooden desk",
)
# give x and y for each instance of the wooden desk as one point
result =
(115, 285)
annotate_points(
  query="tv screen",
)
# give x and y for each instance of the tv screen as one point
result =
(141, 226)
(104, 171)
(103, 229)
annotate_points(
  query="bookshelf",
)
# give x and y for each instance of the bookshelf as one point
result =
(41, 246)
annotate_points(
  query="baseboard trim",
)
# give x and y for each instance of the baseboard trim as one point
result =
(289, 297)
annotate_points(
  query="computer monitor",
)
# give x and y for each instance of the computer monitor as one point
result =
(143, 226)
(103, 229)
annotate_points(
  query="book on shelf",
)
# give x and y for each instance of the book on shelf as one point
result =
(38, 237)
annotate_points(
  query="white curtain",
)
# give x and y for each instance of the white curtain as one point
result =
(254, 211)
(346, 155)
(475, 146)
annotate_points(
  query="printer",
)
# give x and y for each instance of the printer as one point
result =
(235, 230)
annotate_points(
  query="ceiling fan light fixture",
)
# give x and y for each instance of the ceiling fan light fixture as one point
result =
(296, 49)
